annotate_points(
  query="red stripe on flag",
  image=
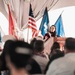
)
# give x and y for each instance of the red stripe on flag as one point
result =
(32, 22)
(30, 18)
(32, 25)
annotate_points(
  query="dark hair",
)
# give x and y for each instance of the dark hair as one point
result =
(5, 49)
(32, 42)
(38, 45)
(33, 67)
(19, 52)
(53, 34)
(70, 44)
(54, 26)
(55, 46)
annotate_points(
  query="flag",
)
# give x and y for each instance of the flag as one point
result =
(44, 23)
(11, 24)
(32, 23)
(59, 27)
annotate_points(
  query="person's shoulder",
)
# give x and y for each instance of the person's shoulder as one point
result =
(57, 61)
(53, 66)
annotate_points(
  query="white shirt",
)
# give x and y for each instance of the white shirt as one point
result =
(42, 61)
(63, 66)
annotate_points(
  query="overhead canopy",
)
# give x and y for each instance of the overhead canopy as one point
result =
(20, 8)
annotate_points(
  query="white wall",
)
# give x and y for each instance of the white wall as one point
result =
(3, 24)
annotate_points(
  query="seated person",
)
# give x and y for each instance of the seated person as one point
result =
(66, 64)
(19, 60)
(3, 67)
(39, 55)
(54, 54)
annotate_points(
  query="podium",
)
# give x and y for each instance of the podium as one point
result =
(49, 43)
(61, 41)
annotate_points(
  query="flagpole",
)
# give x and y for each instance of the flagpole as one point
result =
(61, 18)
(60, 15)
(28, 35)
(62, 12)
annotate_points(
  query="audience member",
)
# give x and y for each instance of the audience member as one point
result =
(32, 42)
(54, 54)
(54, 48)
(3, 68)
(19, 59)
(39, 55)
(64, 65)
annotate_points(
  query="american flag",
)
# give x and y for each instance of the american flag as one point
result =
(32, 23)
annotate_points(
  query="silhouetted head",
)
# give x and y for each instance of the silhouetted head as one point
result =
(18, 53)
(5, 49)
(38, 46)
(69, 45)
(55, 47)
